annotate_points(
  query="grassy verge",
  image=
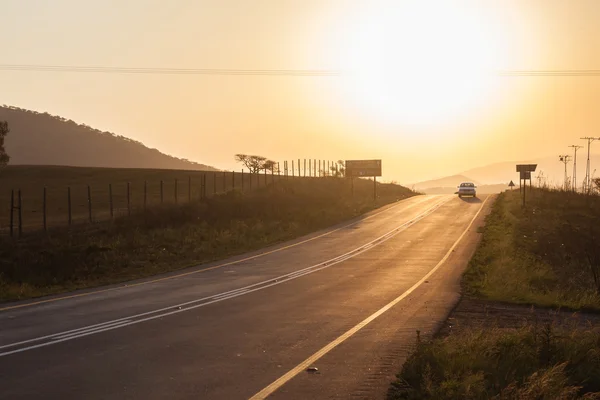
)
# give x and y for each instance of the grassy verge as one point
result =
(533, 362)
(546, 254)
(172, 237)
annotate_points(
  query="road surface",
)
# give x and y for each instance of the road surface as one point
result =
(347, 301)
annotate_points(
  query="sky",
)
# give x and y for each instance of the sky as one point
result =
(416, 83)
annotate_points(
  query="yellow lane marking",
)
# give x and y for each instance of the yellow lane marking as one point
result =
(267, 391)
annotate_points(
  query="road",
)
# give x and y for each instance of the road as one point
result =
(347, 300)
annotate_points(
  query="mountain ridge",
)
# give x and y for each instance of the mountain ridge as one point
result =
(39, 138)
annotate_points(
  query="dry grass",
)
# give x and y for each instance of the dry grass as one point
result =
(542, 254)
(31, 180)
(533, 362)
(175, 236)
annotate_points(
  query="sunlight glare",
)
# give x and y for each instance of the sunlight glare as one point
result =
(419, 62)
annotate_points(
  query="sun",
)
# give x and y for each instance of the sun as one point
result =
(419, 62)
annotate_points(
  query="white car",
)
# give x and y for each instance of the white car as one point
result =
(467, 189)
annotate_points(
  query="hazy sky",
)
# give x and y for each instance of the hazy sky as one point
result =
(417, 89)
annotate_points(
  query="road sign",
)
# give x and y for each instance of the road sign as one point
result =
(357, 168)
(525, 171)
(526, 168)
(525, 174)
(511, 184)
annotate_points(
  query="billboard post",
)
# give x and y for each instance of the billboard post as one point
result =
(364, 168)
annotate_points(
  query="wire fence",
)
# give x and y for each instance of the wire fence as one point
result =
(43, 208)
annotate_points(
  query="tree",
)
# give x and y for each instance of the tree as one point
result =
(338, 169)
(270, 165)
(596, 182)
(255, 164)
(4, 157)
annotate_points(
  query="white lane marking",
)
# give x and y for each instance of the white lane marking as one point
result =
(130, 285)
(60, 333)
(227, 295)
(229, 292)
(224, 295)
(91, 329)
(267, 391)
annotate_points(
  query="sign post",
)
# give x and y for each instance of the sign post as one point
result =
(511, 185)
(364, 168)
(525, 171)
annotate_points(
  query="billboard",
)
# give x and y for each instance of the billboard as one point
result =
(526, 167)
(358, 168)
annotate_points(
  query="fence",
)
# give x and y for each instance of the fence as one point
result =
(44, 208)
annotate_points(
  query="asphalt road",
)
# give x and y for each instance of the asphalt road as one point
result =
(347, 300)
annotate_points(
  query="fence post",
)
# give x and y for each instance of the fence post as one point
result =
(176, 200)
(12, 212)
(265, 177)
(232, 180)
(242, 179)
(162, 197)
(69, 204)
(278, 169)
(145, 194)
(250, 176)
(299, 171)
(89, 193)
(272, 175)
(44, 211)
(293, 169)
(128, 200)
(214, 182)
(20, 215)
(201, 194)
(204, 189)
(110, 200)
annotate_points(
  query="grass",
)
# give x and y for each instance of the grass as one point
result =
(170, 237)
(545, 254)
(32, 179)
(533, 362)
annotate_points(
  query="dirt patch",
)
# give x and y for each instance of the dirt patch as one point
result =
(478, 313)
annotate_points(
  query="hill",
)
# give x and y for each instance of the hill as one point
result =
(43, 139)
(549, 168)
(481, 189)
(446, 182)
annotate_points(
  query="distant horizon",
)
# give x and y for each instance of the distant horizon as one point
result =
(464, 172)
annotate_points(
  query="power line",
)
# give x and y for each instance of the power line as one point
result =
(263, 72)
(574, 183)
(588, 182)
(168, 71)
(572, 72)
(565, 160)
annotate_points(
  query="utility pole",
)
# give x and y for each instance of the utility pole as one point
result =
(575, 147)
(587, 182)
(565, 160)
